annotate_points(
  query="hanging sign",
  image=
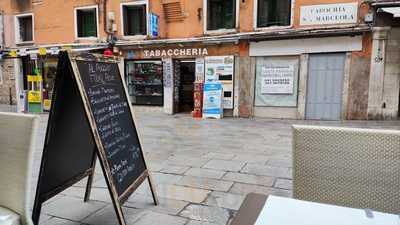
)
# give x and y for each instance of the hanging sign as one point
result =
(13, 53)
(54, 51)
(33, 56)
(22, 52)
(42, 51)
(212, 100)
(277, 80)
(342, 13)
(154, 25)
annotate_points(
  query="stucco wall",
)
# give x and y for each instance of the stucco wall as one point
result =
(54, 22)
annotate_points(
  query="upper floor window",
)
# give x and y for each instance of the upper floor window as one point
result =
(221, 14)
(134, 19)
(273, 13)
(24, 28)
(86, 22)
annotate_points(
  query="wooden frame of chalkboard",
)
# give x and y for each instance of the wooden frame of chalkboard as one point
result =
(98, 91)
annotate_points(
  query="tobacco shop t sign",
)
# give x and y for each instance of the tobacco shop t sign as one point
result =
(175, 52)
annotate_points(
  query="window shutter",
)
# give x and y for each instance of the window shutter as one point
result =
(173, 10)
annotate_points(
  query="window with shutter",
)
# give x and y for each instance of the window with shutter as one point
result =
(134, 20)
(86, 22)
(221, 14)
(273, 13)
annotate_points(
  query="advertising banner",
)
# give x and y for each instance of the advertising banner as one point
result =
(212, 105)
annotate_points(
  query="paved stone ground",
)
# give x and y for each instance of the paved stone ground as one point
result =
(202, 169)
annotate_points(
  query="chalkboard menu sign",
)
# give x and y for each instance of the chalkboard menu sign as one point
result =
(109, 105)
(103, 111)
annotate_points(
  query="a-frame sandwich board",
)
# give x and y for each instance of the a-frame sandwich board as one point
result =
(91, 115)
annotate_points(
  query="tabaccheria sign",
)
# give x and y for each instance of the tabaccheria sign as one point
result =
(175, 52)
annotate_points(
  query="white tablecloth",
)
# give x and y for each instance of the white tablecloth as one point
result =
(285, 211)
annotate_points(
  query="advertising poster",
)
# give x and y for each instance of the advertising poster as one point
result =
(219, 68)
(277, 80)
(212, 105)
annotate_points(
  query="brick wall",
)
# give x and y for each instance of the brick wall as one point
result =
(7, 82)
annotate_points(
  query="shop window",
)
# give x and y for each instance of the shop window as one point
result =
(145, 82)
(221, 14)
(134, 19)
(273, 13)
(24, 28)
(86, 22)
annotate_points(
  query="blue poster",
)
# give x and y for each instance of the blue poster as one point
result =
(154, 20)
(212, 105)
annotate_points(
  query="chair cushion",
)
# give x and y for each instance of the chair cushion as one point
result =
(8, 217)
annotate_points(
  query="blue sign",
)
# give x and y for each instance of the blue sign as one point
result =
(212, 105)
(131, 54)
(154, 21)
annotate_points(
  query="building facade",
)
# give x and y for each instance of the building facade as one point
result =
(297, 59)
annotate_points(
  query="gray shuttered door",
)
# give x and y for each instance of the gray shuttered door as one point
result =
(324, 87)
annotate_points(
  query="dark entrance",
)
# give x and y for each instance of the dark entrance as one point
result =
(187, 77)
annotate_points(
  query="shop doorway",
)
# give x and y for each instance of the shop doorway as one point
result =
(324, 86)
(186, 87)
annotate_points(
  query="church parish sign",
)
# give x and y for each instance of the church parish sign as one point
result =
(343, 13)
(175, 52)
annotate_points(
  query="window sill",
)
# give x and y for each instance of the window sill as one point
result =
(134, 37)
(220, 31)
(87, 38)
(273, 28)
(25, 43)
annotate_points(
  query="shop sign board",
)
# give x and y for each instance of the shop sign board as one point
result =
(342, 13)
(91, 116)
(175, 52)
(34, 97)
(277, 79)
(212, 100)
(154, 25)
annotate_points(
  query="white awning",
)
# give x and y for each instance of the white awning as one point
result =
(392, 10)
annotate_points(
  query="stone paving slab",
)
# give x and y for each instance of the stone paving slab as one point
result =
(225, 200)
(249, 179)
(206, 214)
(224, 165)
(174, 169)
(187, 194)
(205, 183)
(206, 173)
(167, 206)
(244, 189)
(72, 208)
(187, 158)
(272, 171)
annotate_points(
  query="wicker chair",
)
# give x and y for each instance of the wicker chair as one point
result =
(17, 135)
(358, 168)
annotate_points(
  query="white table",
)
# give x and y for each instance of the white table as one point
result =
(272, 210)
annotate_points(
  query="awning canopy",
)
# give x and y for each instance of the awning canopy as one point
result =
(392, 10)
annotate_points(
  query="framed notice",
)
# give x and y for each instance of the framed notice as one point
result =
(277, 79)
